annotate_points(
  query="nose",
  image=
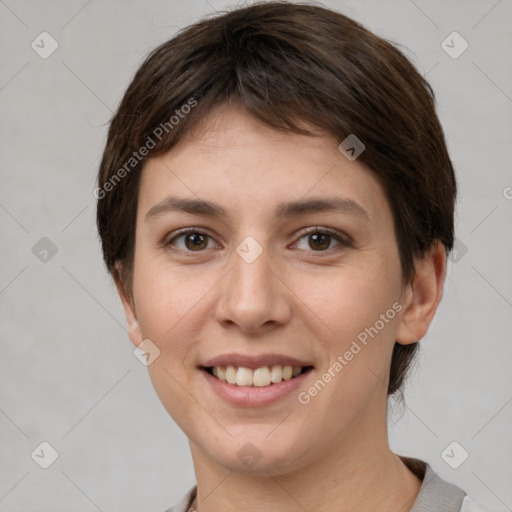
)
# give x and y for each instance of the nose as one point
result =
(253, 295)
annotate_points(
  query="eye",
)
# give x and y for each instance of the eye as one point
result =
(320, 239)
(194, 240)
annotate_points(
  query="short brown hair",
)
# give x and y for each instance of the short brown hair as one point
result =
(290, 65)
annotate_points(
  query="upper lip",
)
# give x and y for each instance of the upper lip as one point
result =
(254, 361)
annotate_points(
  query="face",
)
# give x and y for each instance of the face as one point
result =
(267, 272)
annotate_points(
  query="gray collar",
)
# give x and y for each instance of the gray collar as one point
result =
(436, 494)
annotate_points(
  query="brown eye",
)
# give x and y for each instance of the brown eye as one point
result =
(320, 240)
(194, 241)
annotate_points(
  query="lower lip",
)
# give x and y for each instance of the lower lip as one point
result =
(253, 396)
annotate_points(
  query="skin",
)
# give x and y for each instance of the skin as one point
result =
(294, 299)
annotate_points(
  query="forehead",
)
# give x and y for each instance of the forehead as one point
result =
(236, 160)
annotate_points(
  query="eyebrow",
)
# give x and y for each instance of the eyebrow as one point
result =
(284, 210)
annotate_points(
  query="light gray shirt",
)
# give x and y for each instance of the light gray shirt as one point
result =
(435, 495)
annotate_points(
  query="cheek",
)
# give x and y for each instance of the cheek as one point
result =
(170, 300)
(352, 317)
(348, 299)
(170, 309)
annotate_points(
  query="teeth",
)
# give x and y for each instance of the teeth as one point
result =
(231, 374)
(221, 373)
(244, 377)
(276, 374)
(287, 372)
(260, 377)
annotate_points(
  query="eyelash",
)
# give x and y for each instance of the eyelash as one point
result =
(343, 240)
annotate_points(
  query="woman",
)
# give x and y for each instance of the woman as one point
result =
(275, 204)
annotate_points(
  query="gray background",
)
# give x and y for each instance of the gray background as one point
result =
(69, 375)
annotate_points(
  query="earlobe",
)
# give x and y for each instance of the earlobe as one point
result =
(422, 296)
(127, 301)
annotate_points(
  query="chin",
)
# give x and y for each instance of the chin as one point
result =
(256, 455)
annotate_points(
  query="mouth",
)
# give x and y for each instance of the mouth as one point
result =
(264, 376)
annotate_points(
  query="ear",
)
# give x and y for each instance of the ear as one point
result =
(422, 296)
(134, 331)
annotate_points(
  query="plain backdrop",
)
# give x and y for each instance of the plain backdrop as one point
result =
(69, 375)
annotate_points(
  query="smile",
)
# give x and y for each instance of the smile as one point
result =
(259, 377)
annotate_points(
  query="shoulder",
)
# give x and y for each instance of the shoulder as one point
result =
(437, 494)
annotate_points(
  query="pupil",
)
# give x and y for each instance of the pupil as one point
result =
(196, 239)
(316, 237)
